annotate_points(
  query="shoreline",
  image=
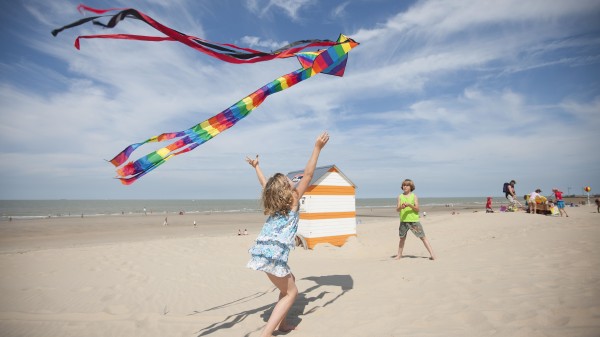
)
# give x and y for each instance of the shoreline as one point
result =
(362, 204)
(60, 232)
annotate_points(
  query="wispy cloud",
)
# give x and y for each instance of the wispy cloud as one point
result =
(255, 41)
(340, 10)
(291, 8)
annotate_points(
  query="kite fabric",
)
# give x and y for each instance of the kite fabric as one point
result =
(331, 61)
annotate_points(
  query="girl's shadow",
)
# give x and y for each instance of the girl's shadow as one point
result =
(410, 257)
(344, 282)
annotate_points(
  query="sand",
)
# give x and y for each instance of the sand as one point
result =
(501, 274)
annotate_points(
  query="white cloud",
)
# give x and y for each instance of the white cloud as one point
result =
(339, 10)
(255, 41)
(290, 7)
(443, 18)
(586, 112)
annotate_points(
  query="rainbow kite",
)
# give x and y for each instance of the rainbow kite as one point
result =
(331, 61)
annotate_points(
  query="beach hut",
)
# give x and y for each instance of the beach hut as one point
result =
(327, 208)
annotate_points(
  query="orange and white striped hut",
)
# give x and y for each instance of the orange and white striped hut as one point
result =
(327, 208)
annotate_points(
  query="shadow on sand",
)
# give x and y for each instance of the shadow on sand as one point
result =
(410, 257)
(334, 285)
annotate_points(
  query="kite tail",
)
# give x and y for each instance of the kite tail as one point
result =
(150, 165)
(223, 51)
(83, 7)
(122, 157)
(201, 132)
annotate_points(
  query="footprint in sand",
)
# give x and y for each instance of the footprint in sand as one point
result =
(549, 318)
(499, 317)
(116, 309)
(110, 297)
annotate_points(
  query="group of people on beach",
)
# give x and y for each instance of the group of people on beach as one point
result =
(280, 200)
(532, 200)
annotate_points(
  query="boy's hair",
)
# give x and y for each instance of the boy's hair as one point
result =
(409, 183)
(277, 196)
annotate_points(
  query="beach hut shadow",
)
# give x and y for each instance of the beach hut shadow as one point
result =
(335, 285)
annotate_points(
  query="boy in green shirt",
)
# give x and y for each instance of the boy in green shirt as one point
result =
(408, 206)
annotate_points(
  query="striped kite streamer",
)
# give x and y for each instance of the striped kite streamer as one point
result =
(331, 60)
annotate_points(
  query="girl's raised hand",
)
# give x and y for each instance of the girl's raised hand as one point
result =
(322, 140)
(252, 162)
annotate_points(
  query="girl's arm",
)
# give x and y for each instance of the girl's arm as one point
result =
(415, 207)
(309, 170)
(259, 174)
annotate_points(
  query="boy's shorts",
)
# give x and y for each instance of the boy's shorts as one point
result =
(414, 227)
(560, 204)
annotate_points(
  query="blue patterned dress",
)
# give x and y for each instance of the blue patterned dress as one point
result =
(272, 248)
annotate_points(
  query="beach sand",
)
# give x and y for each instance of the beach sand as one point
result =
(500, 274)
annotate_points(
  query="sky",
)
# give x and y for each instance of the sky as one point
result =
(460, 96)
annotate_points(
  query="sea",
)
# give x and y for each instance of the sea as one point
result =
(32, 209)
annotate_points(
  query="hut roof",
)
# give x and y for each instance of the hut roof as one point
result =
(295, 176)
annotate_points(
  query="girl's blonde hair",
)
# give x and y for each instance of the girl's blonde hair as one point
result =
(410, 183)
(277, 196)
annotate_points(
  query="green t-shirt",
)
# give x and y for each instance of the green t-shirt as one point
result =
(407, 214)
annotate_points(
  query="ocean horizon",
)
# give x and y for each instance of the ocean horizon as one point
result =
(30, 209)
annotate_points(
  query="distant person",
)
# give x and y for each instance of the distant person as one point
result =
(270, 252)
(509, 192)
(239, 232)
(245, 232)
(560, 203)
(532, 201)
(408, 206)
(597, 201)
(488, 205)
(165, 223)
(194, 223)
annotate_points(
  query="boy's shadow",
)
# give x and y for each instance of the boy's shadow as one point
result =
(344, 282)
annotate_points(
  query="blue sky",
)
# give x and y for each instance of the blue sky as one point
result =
(459, 96)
